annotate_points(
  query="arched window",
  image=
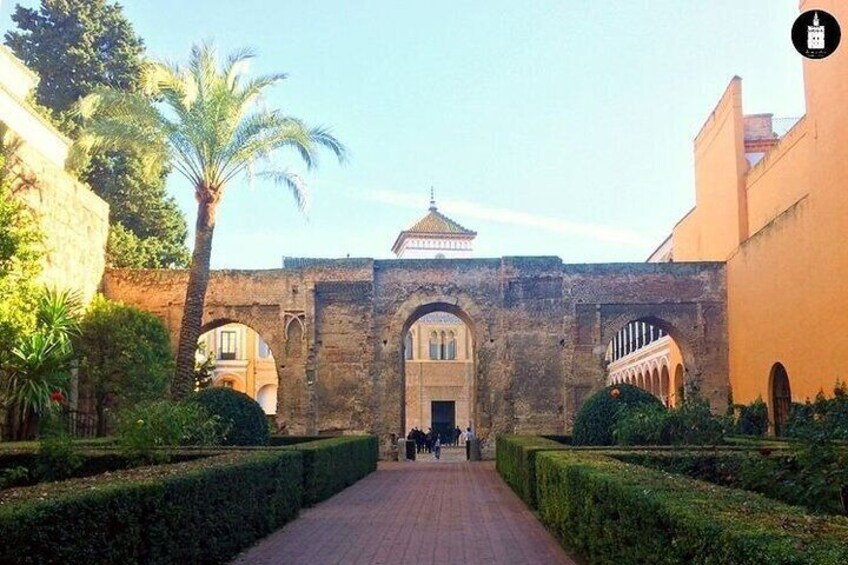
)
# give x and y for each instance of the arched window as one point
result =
(781, 398)
(443, 353)
(451, 346)
(407, 347)
(434, 346)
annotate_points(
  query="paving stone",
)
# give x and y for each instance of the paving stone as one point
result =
(415, 512)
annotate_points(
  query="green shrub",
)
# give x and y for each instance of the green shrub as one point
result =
(597, 418)
(609, 511)
(152, 430)
(780, 475)
(515, 461)
(243, 416)
(283, 441)
(198, 512)
(753, 418)
(58, 457)
(692, 423)
(125, 358)
(824, 417)
(330, 465)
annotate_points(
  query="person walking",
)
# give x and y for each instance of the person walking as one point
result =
(437, 447)
(457, 433)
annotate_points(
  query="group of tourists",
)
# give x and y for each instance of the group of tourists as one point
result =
(431, 441)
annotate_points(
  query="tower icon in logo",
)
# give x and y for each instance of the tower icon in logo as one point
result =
(815, 34)
(819, 40)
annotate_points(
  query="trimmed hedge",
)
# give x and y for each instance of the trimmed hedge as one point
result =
(330, 465)
(91, 463)
(283, 441)
(610, 511)
(598, 416)
(516, 462)
(198, 512)
(775, 475)
(243, 415)
(195, 512)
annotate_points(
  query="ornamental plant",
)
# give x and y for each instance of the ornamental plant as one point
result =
(125, 358)
(152, 430)
(38, 367)
(599, 414)
(243, 416)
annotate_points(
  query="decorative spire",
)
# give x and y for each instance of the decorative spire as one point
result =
(432, 200)
(816, 19)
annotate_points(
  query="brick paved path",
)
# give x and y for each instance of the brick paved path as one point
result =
(421, 512)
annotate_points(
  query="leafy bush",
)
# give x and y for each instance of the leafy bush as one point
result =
(597, 418)
(516, 462)
(824, 417)
(330, 465)
(125, 358)
(152, 430)
(244, 418)
(779, 475)
(58, 456)
(199, 512)
(21, 249)
(609, 511)
(35, 374)
(753, 418)
(692, 423)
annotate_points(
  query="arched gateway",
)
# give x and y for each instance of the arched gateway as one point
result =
(540, 331)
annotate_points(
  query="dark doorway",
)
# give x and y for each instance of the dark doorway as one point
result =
(443, 417)
(781, 398)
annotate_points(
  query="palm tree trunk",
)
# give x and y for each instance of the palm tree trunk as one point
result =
(198, 280)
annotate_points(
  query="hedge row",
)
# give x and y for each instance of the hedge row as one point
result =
(330, 465)
(614, 512)
(199, 512)
(203, 511)
(775, 475)
(283, 441)
(89, 463)
(516, 462)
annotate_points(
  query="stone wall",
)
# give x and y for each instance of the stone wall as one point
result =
(539, 331)
(73, 220)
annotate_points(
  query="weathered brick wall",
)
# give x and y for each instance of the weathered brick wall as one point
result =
(73, 220)
(540, 330)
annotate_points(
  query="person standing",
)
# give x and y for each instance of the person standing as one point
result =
(469, 436)
(437, 447)
(457, 433)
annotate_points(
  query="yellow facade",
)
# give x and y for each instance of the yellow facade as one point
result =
(242, 361)
(779, 225)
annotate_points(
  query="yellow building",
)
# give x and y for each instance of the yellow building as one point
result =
(773, 203)
(242, 361)
(438, 348)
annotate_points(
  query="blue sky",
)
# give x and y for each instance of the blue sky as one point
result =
(550, 128)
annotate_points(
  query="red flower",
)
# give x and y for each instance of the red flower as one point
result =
(57, 396)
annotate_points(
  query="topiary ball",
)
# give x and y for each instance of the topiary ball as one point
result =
(241, 414)
(600, 412)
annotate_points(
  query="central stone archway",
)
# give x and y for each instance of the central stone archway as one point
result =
(540, 329)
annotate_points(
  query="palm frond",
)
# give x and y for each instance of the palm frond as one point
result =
(296, 185)
(202, 119)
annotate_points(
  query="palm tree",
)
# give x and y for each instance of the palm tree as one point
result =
(202, 121)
